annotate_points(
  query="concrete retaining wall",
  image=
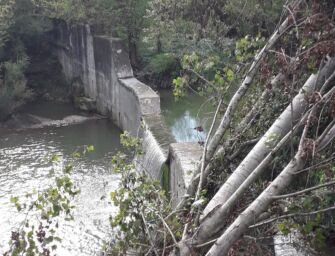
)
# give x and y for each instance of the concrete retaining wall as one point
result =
(184, 160)
(102, 66)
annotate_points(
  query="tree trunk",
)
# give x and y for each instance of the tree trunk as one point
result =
(233, 104)
(275, 133)
(159, 43)
(258, 158)
(222, 150)
(248, 216)
(133, 51)
(244, 124)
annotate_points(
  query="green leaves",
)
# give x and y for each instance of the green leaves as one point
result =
(179, 87)
(141, 202)
(209, 75)
(229, 74)
(55, 158)
(15, 201)
(129, 141)
(284, 228)
(247, 47)
(90, 148)
(48, 207)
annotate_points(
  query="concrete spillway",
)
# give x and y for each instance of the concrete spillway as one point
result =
(102, 66)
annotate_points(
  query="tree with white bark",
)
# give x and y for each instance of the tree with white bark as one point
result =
(220, 226)
(268, 167)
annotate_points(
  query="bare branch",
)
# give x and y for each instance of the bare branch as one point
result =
(168, 228)
(318, 165)
(304, 191)
(241, 147)
(148, 233)
(197, 196)
(327, 138)
(301, 214)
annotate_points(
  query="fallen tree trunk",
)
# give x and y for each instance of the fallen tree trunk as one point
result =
(244, 124)
(261, 155)
(233, 104)
(211, 226)
(248, 217)
(275, 133)
(222, 150)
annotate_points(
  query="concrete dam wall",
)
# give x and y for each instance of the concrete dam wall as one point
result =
(102, 66)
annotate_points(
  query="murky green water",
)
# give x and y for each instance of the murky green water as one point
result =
(186, 114)
(24, 166)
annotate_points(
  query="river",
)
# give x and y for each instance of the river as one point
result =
(24, 166)
(184, 115)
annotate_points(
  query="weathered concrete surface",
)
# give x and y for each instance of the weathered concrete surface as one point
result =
(102, 66)
(291, 245)
(85, 104)
(135, 101)
(184, 160)
(121, 59)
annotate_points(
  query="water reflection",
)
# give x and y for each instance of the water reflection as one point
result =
(185, 115)
(183, 128)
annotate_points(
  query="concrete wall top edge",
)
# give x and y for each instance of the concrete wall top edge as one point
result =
(139, 88)
(188, 150)
(188, 154)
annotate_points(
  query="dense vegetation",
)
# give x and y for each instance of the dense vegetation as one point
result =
(269, 68)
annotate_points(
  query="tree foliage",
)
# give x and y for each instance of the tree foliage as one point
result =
(226, 52)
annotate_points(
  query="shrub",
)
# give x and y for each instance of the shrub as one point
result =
(162, 67)
(13, 90)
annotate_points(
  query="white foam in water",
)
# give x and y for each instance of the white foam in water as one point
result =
(153, 158)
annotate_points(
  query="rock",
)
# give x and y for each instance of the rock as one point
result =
(85, 104)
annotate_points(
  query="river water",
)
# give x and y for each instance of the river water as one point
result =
(184, 115)
(25, 166)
